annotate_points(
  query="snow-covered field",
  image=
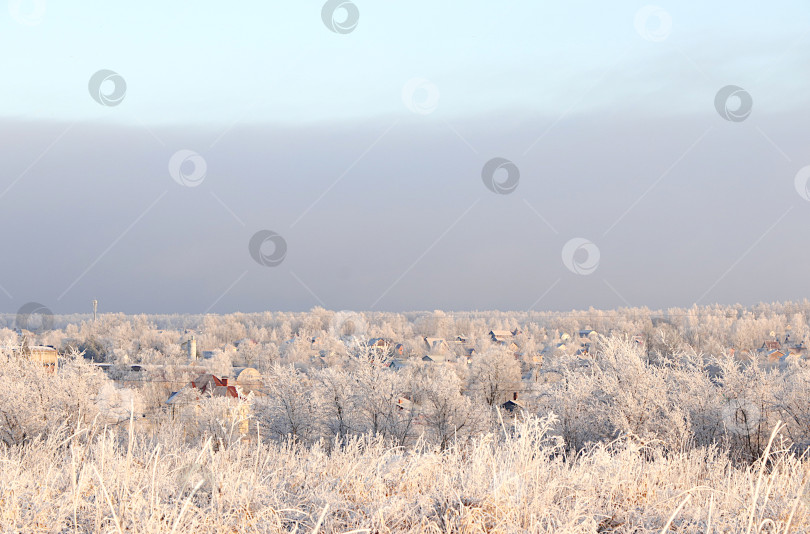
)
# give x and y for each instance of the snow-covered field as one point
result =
(98, 480)
(673, 422)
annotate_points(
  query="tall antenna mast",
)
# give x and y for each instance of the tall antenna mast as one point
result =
(95, 308)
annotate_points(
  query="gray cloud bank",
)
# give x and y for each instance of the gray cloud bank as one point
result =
(407, 223)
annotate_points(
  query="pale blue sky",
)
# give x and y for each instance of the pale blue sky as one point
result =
(193, 62)
(305, 133)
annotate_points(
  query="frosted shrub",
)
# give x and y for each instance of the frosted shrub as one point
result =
(35, 401)
(446, 414)
(291, 408)
(121, 479)
(224, 420)
(640, 399)
(495, 373)
(339, 409)
(618, 393)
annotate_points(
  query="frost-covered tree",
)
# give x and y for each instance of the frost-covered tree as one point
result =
(494, 375)
(338, 391)
(36, 401)
(291, 407)
(446, 413)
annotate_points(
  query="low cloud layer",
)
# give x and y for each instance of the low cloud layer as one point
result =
(393, 213)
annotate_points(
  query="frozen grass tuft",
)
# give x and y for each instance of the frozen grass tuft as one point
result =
(102, 480)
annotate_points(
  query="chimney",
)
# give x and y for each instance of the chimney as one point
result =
(514, 396)
(192, 349)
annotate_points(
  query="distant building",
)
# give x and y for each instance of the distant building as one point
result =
(775, 356)
(799, 350)
(45, 355)
(406, 404)
(396, 365)
(772, 345)
(386, 347)
(742, 355)
(186, 401)
(190, 348)
(244, 341)
(513, 406)
(436, 344)
(434, 358)
(206, 383)
(501, 336)
(247, 378)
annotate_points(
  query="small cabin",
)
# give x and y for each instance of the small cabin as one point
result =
(44, 354)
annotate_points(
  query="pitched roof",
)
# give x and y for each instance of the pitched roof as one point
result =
(205, 383)
(504, 333)
(512, 405)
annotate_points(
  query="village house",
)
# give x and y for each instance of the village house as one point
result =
(44, 354)
(771, 345)
(386, 347)
(248, 379)
(436, 344)
(535, 358)
(584, 350)
(186, 401)
(434, 358)
(47, 355)
(502, 336)
(505, 338)
(397, 364)
(774, 356)
(773, 350)
(513, 407)
(205, 383)
(404, 403)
